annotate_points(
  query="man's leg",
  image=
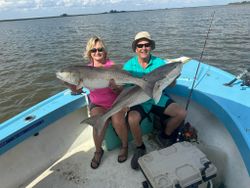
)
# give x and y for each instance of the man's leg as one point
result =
(177, 116)
(135, 115)
(134, 119)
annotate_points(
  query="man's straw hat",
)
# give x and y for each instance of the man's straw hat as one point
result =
(143, 35)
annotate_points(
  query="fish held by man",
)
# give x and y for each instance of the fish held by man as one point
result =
(135, 95)
(93, 78)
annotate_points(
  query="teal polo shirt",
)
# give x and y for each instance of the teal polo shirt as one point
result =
(134, 67)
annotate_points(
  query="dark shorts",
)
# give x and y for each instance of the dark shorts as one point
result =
(156, 110)
(159, 110)
(140, 110)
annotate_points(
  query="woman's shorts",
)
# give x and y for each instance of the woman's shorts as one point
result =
(92, 105)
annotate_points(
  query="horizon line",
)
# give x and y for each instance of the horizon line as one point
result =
(63, 15)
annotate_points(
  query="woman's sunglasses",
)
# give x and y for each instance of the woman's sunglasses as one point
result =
(94, 50)
(141, 45)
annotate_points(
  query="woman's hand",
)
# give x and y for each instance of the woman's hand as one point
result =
(73, 88)
(116, 88)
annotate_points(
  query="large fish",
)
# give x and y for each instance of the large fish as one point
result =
(135, 95)
(93, 78)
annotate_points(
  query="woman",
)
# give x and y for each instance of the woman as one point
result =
(102, 99)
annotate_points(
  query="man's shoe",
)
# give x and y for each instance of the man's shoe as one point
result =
(134, 161)
(164, 142)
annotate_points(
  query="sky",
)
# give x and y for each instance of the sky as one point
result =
(14, 9)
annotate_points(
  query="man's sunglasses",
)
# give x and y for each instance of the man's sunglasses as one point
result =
(94, 50)
(141, 45)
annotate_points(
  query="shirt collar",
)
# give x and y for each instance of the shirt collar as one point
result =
(150, 61)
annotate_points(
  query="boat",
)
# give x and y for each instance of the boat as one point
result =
(46, 146)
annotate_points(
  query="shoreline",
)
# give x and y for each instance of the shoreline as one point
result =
(64, 15)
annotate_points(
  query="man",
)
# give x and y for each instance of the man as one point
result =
(138, 66)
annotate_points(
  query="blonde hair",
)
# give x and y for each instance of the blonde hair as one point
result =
(91, 44)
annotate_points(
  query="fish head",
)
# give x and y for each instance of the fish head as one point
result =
(68, 76)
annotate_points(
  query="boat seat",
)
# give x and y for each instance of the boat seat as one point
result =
(111, 139)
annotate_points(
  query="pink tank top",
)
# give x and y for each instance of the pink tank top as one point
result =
(103, 97)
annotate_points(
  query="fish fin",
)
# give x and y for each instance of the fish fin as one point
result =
(154, 76)
(124, 92)
(157, 91)
(96, 122)
(159, 87)
(117, 66)
(170, 77)
(147, 86)
(160, 72)
(182, 59)
(149, 81)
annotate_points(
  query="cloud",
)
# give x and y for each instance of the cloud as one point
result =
(38, 8)
(7, 4)
(36, 4)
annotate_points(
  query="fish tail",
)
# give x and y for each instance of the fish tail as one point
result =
(162, 77)
(149, 83)
(153, 89)
(157, 91)
(147, 87)
(160, 85)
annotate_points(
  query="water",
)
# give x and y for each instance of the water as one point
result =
(33, 50)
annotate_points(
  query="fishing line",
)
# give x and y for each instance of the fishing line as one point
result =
(198, 67)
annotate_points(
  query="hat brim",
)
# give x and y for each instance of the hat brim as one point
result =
(152, 42)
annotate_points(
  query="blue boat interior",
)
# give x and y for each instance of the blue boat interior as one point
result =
(231, 105)
(36, 118)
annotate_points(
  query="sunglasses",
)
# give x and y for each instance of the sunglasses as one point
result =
(94, 50)
(141, 45)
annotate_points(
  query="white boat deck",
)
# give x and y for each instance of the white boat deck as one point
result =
(59, 157)
(73, 170)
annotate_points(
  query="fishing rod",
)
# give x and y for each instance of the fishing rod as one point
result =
(187, 126)
(198, 67)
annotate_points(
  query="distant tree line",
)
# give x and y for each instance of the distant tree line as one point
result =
(64, 14)
(240, 3)
(116, 11)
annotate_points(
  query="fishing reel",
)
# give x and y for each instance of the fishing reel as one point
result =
(244, 76)
(187, 133)
(246, 80)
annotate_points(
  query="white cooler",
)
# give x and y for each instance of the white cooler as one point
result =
(181, 165)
